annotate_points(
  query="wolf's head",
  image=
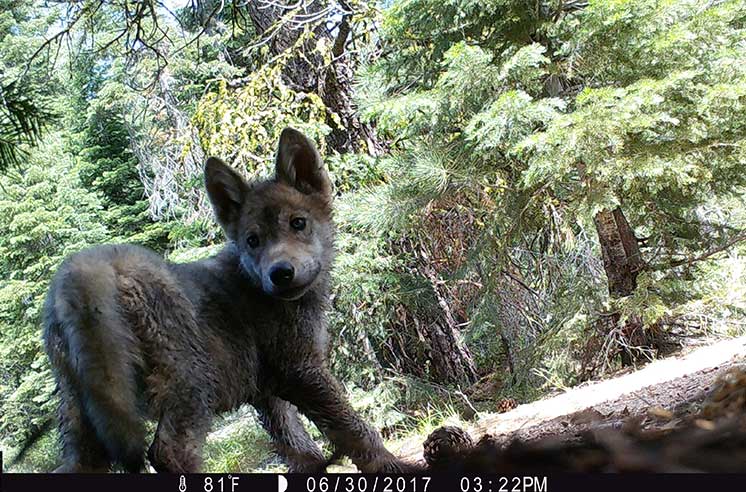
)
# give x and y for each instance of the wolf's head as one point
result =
(282, 227)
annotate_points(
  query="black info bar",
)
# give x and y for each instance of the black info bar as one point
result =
(261, 482)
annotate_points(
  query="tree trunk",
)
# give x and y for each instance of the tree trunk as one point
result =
(515, 303)
(425, 337)
(451, 358)
(621, 253)
(622, 263)
(306, 72)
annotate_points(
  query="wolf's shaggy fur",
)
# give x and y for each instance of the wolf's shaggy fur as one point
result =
(131, 336)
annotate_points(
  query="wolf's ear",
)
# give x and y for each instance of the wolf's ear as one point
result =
(226, 190)
(299, 164)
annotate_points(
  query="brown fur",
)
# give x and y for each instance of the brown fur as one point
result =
(131, 336)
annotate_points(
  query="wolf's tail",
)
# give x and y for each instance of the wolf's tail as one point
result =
(96, 357)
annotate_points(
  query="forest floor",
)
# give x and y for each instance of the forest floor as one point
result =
(659, 395)
(663, 394)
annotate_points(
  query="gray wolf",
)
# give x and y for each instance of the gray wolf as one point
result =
(133, 337)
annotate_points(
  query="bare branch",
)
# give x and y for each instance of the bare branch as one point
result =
(704, 256)
(57, 38)
(215, 11)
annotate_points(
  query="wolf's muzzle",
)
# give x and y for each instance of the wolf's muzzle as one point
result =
(282, 273)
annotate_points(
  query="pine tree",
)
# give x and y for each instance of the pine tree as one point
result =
(45, 215)
(25, 109)
(580, 137)
(101, 138)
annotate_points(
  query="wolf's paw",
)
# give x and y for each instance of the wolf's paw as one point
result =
(310, 463)
(395, 465)
(407, 467)
(310, 467)
(78, 468)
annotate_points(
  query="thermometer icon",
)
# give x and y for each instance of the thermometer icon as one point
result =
(182, 484)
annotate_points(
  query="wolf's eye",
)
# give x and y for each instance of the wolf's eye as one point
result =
(252, 240)
(298, 223)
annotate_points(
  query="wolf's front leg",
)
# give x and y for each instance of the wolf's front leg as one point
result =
(281, 420)
(318, 395)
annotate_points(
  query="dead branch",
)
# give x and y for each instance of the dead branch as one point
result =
(704, 256)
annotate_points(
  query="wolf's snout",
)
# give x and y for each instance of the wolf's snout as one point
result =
(282, 274)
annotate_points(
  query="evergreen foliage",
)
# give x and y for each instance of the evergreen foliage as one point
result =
(546, 117)
(24, 105)
(47, 214)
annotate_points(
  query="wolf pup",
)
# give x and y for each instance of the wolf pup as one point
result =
(131, 336)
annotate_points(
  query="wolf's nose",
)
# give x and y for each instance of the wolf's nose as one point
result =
(282, 274)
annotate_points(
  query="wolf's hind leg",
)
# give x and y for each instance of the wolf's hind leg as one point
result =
(181, 432)
(281, 420)
(82, 451)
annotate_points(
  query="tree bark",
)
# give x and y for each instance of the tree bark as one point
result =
(306, 72)
(622, 263)
(425, 337)
(621, 252)
(301, 72)
(451, 358)
(515, 302)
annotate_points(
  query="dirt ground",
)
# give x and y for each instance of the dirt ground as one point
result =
(658, 395)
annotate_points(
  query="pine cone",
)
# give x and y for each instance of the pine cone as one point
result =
(444, 444)
(727, 396)
(506, 405)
